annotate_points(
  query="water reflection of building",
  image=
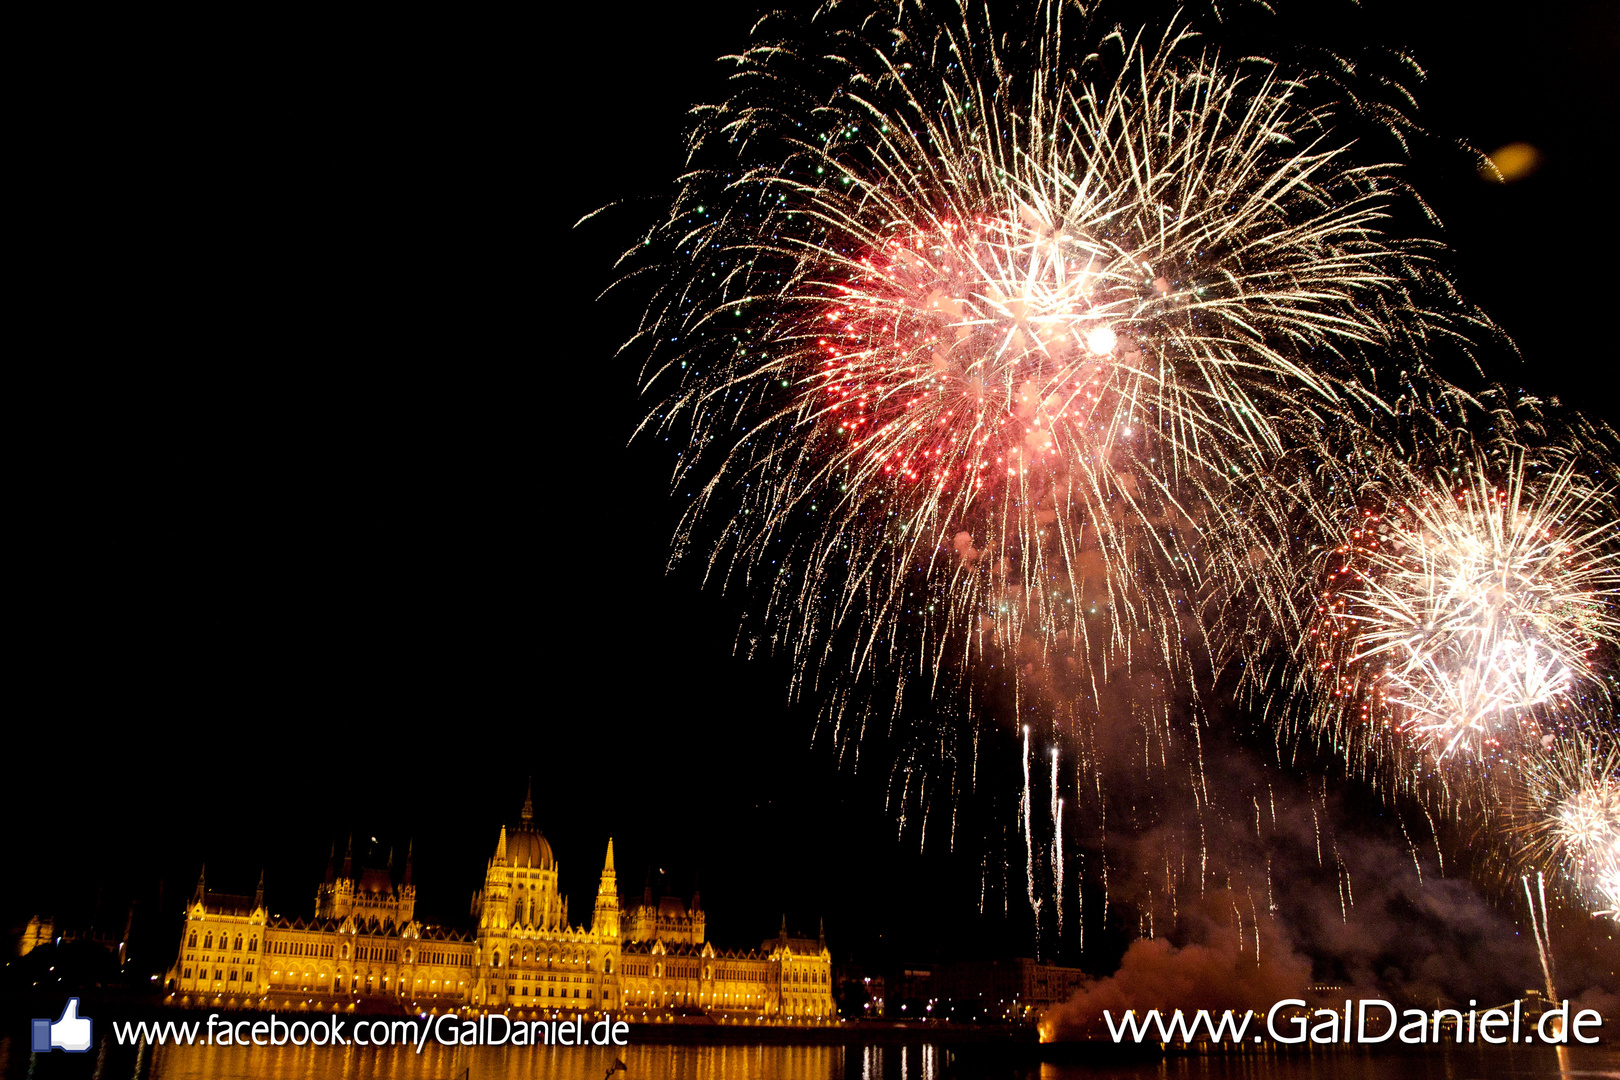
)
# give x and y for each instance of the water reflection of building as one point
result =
(364, 947)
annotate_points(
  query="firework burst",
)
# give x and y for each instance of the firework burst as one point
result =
(987, 356)
(1471, 614)
(1570, 817)
(972, 346)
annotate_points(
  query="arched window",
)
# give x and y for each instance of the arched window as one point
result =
(496, 959)
(192, 943)
(208, 941)
(253, 944)
(607, 965)
(238, 945)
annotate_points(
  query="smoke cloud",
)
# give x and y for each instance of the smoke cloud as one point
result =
(1321, 897)
(1227, 969)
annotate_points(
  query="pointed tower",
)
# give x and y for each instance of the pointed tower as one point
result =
(342, 897)
(497, 911)
(605, 919)
(696, 915)
(323, 891)
(258, 894)
(821, 932)
(197, 897)
(407, 891)
(527, 815)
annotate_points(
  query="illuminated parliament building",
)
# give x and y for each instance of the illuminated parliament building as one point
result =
(363, 948)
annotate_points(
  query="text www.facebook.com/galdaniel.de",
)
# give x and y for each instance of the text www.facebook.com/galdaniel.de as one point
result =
(72, 1032)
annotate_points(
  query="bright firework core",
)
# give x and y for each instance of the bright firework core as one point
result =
(965, 353)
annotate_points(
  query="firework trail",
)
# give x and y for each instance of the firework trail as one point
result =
(1026, 817)
(1539, 927)
(1057, 845)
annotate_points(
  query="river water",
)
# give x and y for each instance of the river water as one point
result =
(652, 1061)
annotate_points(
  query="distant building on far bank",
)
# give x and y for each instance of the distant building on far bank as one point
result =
(1017, 990)
(38, 932)
(42, 931)
(363, 948)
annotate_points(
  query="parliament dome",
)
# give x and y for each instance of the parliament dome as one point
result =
(526, 846)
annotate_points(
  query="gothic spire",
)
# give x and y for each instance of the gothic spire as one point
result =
(197, 898)
(410, 846)
(528, 805)
(258, 896)
(348, 858)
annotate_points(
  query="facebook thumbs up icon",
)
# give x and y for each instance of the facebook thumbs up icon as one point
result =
(71, 1033)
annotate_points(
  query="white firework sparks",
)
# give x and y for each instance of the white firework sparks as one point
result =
(1569, 818)
(1465, 615)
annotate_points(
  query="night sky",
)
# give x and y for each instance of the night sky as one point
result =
(328, 519)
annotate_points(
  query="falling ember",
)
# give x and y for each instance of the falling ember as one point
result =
(1540, 929)
(1057, 846)
(1025, 814)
